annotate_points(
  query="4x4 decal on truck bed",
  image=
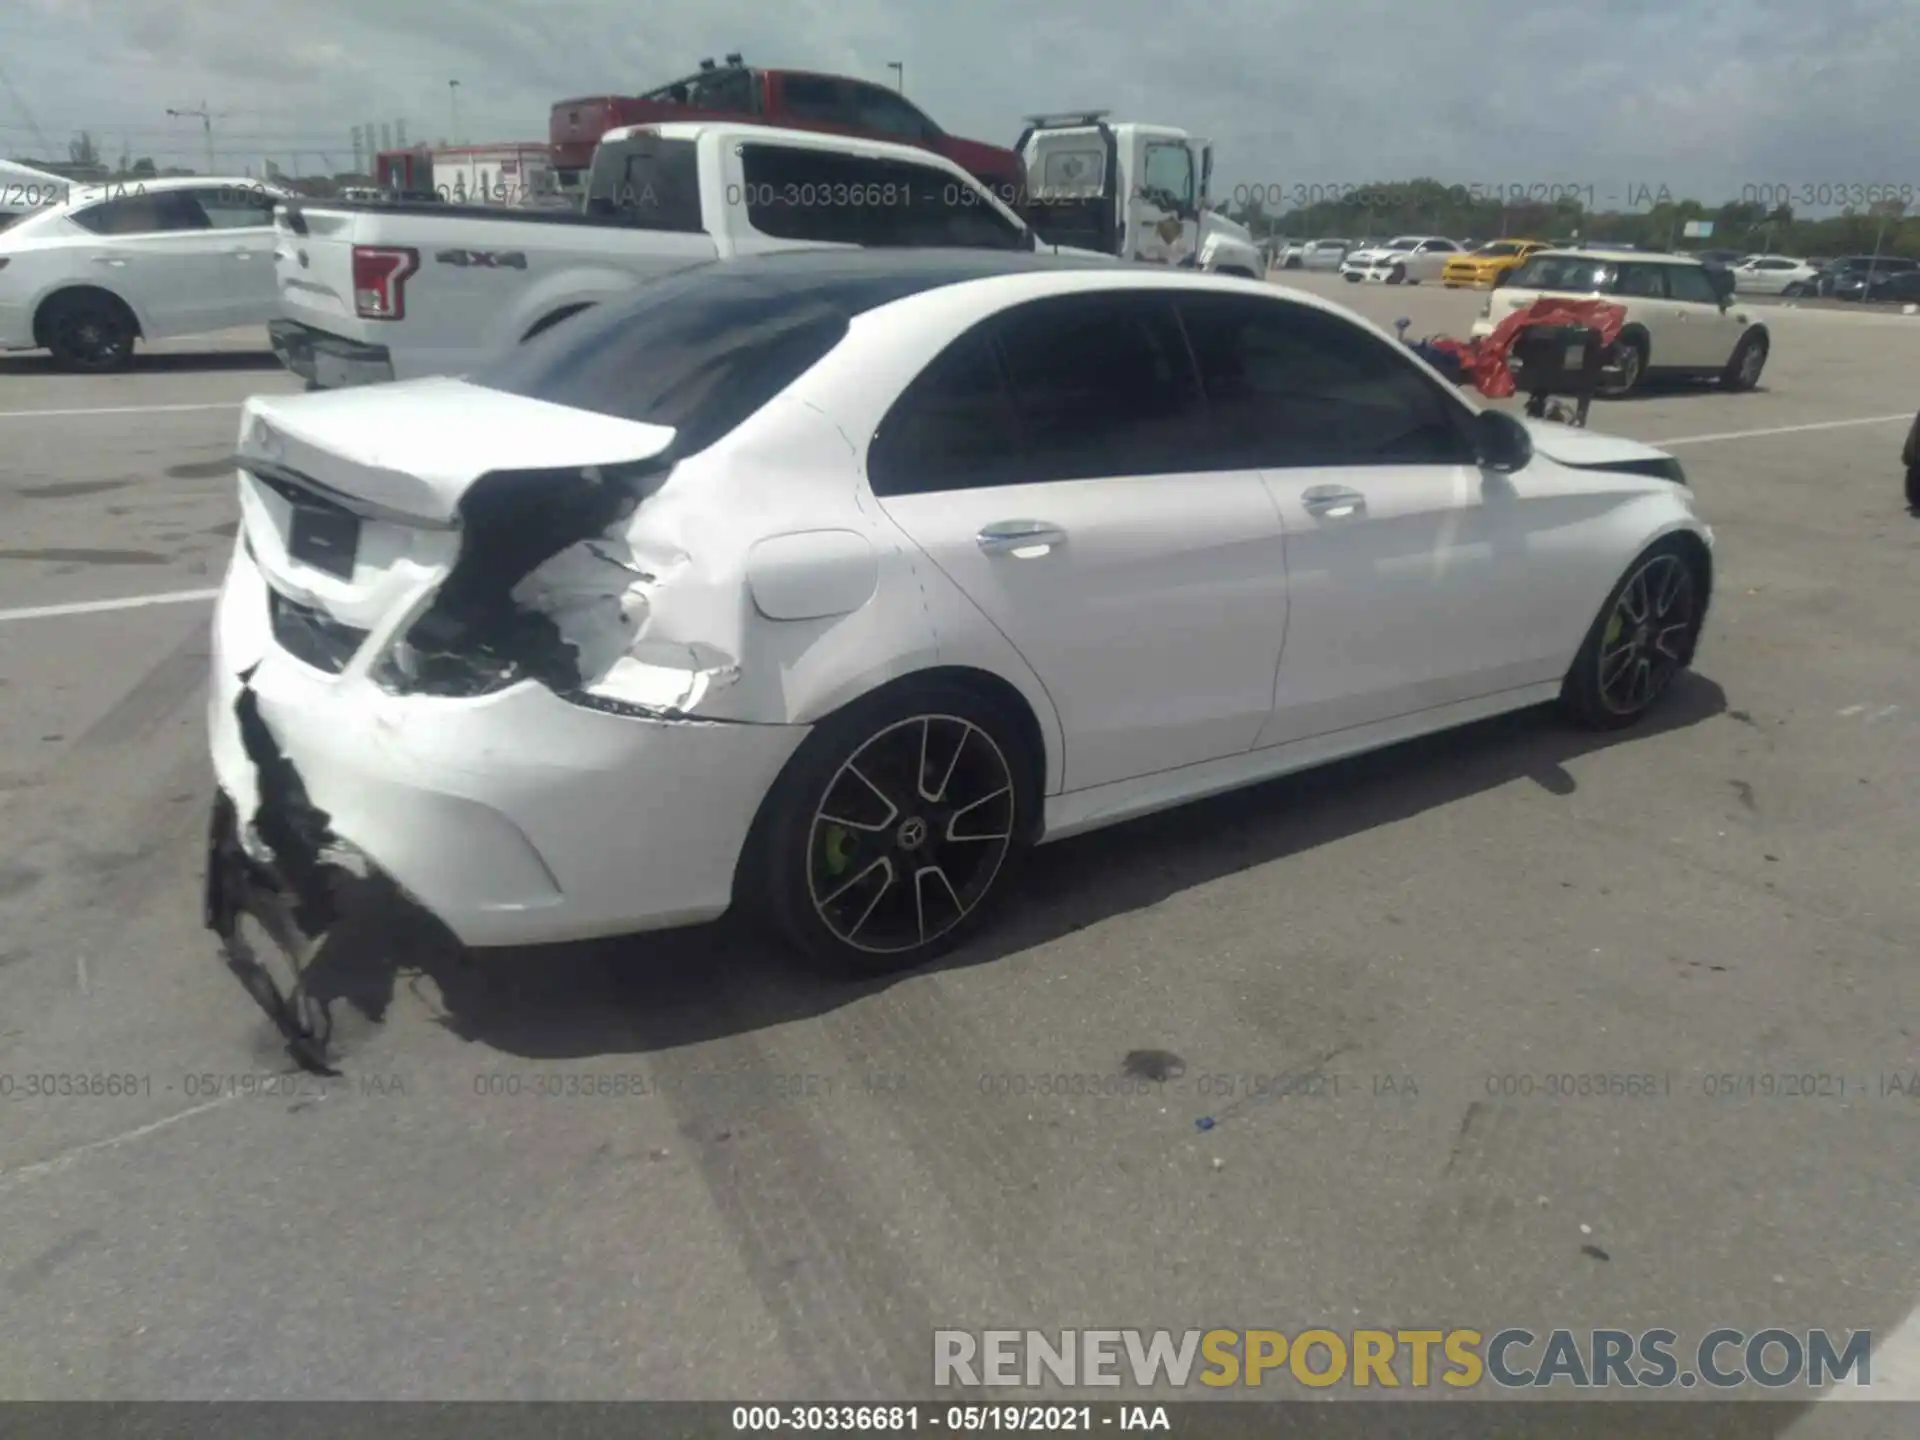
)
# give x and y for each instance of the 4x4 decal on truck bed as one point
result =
(484, 259)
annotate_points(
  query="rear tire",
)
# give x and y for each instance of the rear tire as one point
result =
(89, 333)
(895, 828)
(1749, 358)
(1632, 355)
(1643, 637)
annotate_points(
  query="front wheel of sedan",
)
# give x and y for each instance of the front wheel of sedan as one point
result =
(1644, 636)
(895, 827)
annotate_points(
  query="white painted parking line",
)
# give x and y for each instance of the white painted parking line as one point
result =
(119, 410)
(96, 607)
(1905, 417)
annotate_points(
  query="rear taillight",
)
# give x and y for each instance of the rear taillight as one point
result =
(380, 279)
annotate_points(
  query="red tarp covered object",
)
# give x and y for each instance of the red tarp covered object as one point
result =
(1485, 360)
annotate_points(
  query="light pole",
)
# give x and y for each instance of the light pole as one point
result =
(899, 75)
(453, 107)
(205, 117)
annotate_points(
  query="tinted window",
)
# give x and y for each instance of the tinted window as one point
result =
(1685, 282)
(728, 91)
(810, 97)
(1288, 386)
(647, 182)
(885, 113)
(953, 428)
(796, 194)
(1102, 386)
(697, 351)
(1645, 282)
(233, 207)
(142, 212)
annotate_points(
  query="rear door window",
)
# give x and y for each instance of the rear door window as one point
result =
(953, 428)
(236, 207)
(143, 212)
(817, 98)
(792, 193)
(1690, 283)
(1103, 385)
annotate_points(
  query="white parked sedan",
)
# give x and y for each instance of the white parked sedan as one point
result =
(1770, 274)
(828, 583)
(1323, 254)
(1404, 260)
(137, 260)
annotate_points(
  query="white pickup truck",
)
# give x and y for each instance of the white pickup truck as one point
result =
(377, 291)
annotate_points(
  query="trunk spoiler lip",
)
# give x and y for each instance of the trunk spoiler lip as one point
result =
(276, 476)
(415, 472)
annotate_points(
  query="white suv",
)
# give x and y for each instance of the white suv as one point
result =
(138, 259)
(1681, 317)
(1404, 260)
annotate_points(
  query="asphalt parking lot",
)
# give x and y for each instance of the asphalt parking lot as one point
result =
(799, 1183)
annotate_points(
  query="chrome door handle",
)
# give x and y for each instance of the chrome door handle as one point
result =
(1333, 501)
(1025, 538)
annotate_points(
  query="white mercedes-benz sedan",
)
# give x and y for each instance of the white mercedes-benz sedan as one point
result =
(825, 584)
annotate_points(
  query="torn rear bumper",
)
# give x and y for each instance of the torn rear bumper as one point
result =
(514, 818)
(328, 361)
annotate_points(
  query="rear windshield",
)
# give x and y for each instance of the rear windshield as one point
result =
(1563, 272)
(692, 351)
(648, 183)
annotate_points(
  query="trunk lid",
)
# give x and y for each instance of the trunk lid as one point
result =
(350, 500)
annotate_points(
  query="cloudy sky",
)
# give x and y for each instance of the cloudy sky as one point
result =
(1703, 96)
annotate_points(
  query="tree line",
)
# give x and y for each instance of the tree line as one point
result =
(1430, 207)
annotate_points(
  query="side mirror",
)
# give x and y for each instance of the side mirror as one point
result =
(1500, 442)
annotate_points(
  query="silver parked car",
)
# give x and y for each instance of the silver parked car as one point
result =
(1324, 254)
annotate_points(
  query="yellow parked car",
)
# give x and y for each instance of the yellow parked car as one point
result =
(1486, 267)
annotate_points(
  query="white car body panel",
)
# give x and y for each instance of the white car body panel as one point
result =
(1770, 274)
(187, 282)
(1420, 257)
(1191, 632)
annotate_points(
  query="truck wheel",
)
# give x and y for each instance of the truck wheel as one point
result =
(90, 332)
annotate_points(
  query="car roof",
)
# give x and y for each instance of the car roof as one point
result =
(777, 135)
(1600, 252)
(856, 280)
(95, 190)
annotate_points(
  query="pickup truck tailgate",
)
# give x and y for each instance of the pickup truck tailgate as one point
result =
(313, 262)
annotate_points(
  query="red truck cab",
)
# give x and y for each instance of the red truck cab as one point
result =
(796, 99)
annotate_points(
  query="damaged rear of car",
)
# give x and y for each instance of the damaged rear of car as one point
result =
(529, 645)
